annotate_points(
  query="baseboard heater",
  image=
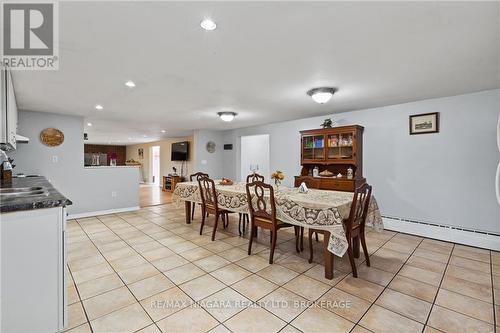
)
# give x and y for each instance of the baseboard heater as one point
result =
(477, 238)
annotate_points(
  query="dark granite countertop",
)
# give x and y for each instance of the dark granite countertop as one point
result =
(50, 199)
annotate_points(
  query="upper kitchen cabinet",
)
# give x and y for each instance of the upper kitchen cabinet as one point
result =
(8, 119)
(8, 124)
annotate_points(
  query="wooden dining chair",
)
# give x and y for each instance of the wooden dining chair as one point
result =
(244, 217)
(263, 214)
(354, 227)
(253, 177)
(209, 204)
(196, 177)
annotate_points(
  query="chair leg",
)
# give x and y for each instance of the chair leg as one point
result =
(301, 239)
(274, 234)
(365, 249)
(310, 245)
(245, 221)
(192, 210)
(202, 220)
(215, 226)
(253, 230)
(351, 259)
(239, 223)
(355, 246)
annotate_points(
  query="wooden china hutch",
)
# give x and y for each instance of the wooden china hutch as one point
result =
(333, 151)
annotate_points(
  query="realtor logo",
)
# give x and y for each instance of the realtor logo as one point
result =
(30, 35)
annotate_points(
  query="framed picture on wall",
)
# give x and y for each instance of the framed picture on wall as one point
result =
(140, 152)
(424, 123)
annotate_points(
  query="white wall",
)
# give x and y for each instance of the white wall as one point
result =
(446, 178)
(255, 150)
(89, 189)
(211, 163)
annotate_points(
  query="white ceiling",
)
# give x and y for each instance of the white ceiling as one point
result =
(259, 62)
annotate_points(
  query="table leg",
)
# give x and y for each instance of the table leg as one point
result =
(328, 257)
(187, 205)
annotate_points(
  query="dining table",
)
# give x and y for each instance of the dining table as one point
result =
(318, 209)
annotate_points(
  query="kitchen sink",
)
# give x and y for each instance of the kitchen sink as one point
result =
(21, 192)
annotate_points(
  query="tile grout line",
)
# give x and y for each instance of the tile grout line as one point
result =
(80, 301)
(252, 273)
(355, 324)
(386, 287)
(176, 285)
(230, 234)
(439, 287)
(116, 272)
(160, 272)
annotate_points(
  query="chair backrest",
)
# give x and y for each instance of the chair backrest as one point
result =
(207, 192)
(310, 181)
(359, 207)
(197, 176)
(254, 177)
(261, 204)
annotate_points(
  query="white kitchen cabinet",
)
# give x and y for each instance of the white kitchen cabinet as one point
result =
(8, 108)
(33, 261)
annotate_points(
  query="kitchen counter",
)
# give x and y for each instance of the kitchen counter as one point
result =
(52, 199)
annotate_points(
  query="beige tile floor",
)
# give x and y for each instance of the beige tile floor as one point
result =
(147, 271)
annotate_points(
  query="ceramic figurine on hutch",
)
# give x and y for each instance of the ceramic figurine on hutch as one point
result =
(316, 171)
(350, 173)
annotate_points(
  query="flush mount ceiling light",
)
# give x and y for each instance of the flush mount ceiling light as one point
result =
(227, 115)
(130, 84)
(321, 95)
(89, 124)
(163, 131)
(99, 107)
(208, 25)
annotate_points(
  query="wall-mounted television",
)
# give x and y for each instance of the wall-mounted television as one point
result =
(180, 151)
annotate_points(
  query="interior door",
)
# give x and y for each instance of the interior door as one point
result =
(255, 156)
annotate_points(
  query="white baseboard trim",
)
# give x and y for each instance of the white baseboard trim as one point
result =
(103, 212)
(476, 239)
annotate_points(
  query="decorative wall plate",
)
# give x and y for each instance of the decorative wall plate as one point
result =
(52, 137)
(211, 147)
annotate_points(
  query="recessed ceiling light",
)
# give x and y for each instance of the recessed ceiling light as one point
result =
(208, 25)
(99, 107)
(130, 84)
(163, 131)
(89, 124)
(227, 115)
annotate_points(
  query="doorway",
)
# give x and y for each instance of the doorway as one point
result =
(255, 156)
(155, 165)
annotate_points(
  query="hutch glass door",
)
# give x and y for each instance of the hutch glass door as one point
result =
(313, 147)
